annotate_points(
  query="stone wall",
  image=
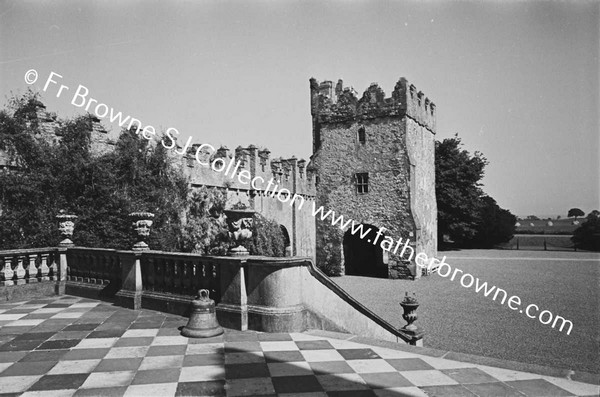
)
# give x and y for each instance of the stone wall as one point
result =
(397, 153)
(421, 153)
(290, 174)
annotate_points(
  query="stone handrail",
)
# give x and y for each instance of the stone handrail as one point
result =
(336, 289)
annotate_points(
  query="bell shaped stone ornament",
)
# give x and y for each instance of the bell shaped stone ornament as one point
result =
(203, 318)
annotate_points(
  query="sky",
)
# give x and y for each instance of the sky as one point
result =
(518, 81)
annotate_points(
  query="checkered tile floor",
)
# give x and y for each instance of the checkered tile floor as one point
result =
(70, 346)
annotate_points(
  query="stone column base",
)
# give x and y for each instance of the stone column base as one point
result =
(277, 319)
(129, 299)
(415, 336)
(232, 316)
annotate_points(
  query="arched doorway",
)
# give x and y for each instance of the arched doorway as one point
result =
(286, 240)
(362, 257)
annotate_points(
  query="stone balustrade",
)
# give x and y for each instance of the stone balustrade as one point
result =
(250, 292)
(35, 269)
(28, 266)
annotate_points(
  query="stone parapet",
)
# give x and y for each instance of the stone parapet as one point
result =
(343, 105)
(258, 293)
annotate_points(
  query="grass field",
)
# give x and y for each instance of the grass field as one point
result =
(458, 319)
(536, 242)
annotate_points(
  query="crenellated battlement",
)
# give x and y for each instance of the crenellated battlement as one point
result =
(290, 174)
(341, 104)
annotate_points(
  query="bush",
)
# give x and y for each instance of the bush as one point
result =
(587, 236)
(205, 230)
(267, 238)
(100, 190)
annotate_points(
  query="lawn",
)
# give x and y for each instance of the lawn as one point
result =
(458, 319)
(536, 242)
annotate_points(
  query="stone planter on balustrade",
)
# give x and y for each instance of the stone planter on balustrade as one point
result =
(142, 221)
(66, 225)
(240, 223)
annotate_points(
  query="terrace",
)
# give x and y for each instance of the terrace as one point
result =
(90, 321)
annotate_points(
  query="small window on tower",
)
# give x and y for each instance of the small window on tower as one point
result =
(362, 182)
(362, 136)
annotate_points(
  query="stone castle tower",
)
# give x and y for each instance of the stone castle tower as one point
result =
(374, 163)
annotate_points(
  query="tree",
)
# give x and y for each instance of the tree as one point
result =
(138, 175)
(457, 189)
(496, 225)
(466, 214)
(575, 212)
(587, 236)
(532, 218)
(101, 190)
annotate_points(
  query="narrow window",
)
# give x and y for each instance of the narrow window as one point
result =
(362, 136)
(362, 182)
(317, 137)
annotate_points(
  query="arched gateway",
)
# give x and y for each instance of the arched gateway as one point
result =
(362, 257)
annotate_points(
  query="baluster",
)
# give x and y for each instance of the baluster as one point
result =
(54, 268)
(195, 276)
(168, 275)
(78, 270)
(116, 271)
(178, 275)
(101, 270)
(20, 270)
(204, 279)
(114, 274)
(98, 268)
(83, 269)
(149, 272)
(32, 269)
(172, 275)
(71, 260)
(108, 270)
(91, 269)
(72, 267)
(7, 273)
(44, 269)
(175, 274)
(159, 275)
(215, 282)
(105, 269)
(187, 281)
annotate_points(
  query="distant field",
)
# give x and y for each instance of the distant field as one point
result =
(536, 242)
(559, 226)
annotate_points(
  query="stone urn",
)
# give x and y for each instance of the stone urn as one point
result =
(141, 222)
(66, 225)
(410, 305)
(240, 223)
